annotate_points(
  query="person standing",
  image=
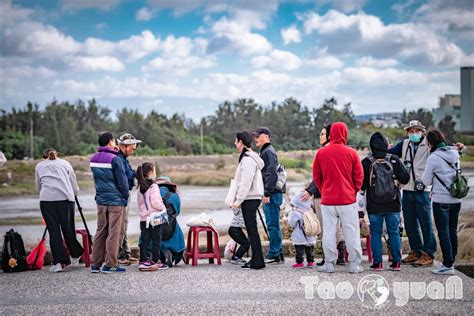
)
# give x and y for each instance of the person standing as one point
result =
(112, 192)
(440, 171)
(57, 186)
(249, 192)
(338, 172)
(381, 170)
(127, 145)
(416, 203)
(273, 197)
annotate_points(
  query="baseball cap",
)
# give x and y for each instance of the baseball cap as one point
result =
(261, 130)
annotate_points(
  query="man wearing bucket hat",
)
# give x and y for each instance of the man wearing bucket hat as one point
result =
(416, 203)
(127, 144)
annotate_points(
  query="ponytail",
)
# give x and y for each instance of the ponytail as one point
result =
(142, 174)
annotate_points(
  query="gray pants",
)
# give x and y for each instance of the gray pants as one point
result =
(317, 208)
(124, 251)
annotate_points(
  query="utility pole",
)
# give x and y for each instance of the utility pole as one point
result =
(202, 139)
(31, 137)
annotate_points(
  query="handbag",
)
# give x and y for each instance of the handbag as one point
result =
(230, 198)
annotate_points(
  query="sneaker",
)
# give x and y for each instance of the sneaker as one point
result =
(395, 266)
(95, 269)
(161, 266)
(310, 265)
(56, 268)
(145, 264)
(411, 258)
(124, 262)
(443, 270)
(424, 261)
(271, 260)
(238, 261)
(168, 258)
(75, 262)
(298, 265)
(107, 269)
(376, 266)
(354, 269)
(327, 268)
(133, 260)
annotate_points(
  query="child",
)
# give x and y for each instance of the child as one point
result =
(237, 234)
(303, 244)
(149, 201)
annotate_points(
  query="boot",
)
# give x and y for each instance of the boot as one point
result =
(341, 249)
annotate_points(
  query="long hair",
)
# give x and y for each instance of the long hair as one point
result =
(434, 138)
(142, 173)
(50, 153)
(246, 139)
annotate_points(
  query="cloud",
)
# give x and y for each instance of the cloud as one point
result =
(144, 14)
(277, 59)
(325, 62)
(290, 35)
(367, 35)
(103, 63)
(368, 61)
(76, 5)
(139, 46)
(344, 5)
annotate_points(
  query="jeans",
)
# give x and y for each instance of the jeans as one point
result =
(446, 218)
(300, 252)
(272, 219)
(249, 211)
(237, 234)
(417, 213)
(392, 221)
(152, 234)
(59, 217)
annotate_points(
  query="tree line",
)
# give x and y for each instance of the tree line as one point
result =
(72, 128)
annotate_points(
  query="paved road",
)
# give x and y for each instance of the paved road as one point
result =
(210, 289)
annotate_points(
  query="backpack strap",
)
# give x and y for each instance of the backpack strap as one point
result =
(441, 181)
(144, 199)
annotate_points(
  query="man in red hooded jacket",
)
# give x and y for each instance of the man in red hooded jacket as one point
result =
(338, 172)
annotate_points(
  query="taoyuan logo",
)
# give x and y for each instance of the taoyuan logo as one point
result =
(374, 291)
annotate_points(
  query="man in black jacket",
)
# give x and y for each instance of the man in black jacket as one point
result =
(382, 171)
(273, 197)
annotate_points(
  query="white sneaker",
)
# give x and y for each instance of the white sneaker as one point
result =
(354, 269)
(75, 262)
(443, 270)
(327, 268)
(56, 268)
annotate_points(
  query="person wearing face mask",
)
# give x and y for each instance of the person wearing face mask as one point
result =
(416, 203)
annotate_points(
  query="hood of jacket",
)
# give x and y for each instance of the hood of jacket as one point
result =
(253, 155)
(448, 154)
(378, 145)
(338, 133)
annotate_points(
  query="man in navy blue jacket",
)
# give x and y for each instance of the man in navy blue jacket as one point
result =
(112, 192)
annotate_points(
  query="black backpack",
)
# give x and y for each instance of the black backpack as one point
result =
(381, 182)
(167, 230)
(14, 254)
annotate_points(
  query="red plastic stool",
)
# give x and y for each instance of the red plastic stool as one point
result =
(365, 250)
(192, 249)
(86, 255)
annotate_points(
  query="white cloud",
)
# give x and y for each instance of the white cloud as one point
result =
(291, 35)
(139, 46)
(368, 61)
(325, 62)
(277, 59)
(367, 35)
(344, 5)
(144, 14)
(76, 5)
(11, 15)
(178, 66)
(103, 63)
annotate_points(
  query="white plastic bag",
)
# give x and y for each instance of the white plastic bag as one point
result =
(361, 202)
(201, 220)
(230, 249)
(230, 198)
(3, 159)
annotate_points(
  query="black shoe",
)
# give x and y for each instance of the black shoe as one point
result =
(168, 258)
(321, 263)
(341, 249)
(237, 260)
(282, 257)
(272, 260)
(246, 266)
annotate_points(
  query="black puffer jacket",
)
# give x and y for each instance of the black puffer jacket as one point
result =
(269, 171)
(379, 148)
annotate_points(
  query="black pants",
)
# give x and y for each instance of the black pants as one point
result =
(147, 234)
(237, 234)
(59, 217)
(301, 250)
(249, 211)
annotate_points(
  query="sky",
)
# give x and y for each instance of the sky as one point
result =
(185, 56)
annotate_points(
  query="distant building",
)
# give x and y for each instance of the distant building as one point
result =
(467, 99)
(392, 119)
(450, 104)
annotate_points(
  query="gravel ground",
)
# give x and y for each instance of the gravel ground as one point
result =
(212, 289)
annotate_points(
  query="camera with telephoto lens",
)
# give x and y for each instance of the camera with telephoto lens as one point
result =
(407, 164)
(419, 186)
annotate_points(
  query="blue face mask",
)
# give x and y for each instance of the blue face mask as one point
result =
(414, 137)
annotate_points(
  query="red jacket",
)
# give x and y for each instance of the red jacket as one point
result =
(337, 169)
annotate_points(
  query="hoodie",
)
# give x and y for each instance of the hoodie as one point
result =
(154, 203)
(436, 164)
(295, 220)
(337, 170)
(248, 178)
(379, 148)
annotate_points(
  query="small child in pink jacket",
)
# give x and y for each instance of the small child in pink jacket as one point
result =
(149, 201)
